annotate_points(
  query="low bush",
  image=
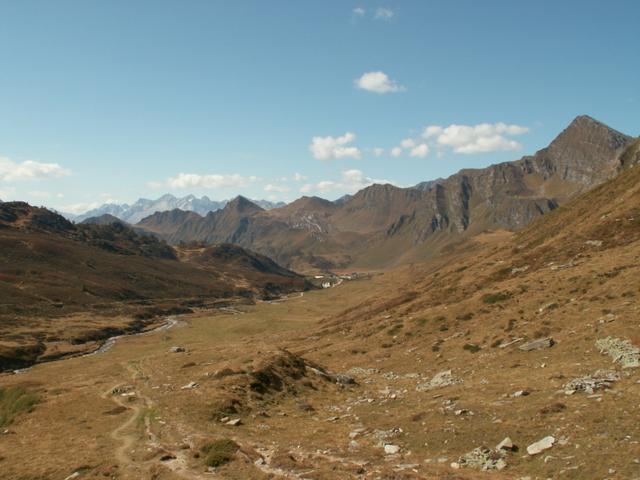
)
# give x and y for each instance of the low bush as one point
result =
(490, 298)
(219, 452)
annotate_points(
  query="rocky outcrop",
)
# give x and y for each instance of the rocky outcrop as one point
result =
(387, 220)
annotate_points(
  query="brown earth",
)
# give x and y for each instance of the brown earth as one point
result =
(65, 287)
(321, 381)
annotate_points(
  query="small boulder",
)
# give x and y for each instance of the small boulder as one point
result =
(538, 344)
(506, 445)
(541, 445)
(177, 349)
(391, 449)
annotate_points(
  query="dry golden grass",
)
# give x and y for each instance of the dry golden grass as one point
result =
(392, 333)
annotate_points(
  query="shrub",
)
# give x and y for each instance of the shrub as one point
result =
(490, 298)
(219, 452)
(472, 347)
(14, 401)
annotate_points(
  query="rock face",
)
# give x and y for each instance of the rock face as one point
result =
(381, 223)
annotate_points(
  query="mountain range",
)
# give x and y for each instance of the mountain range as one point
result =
(144, 207)
(383, 225)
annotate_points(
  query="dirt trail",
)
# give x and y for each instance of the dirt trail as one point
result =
(130, 439)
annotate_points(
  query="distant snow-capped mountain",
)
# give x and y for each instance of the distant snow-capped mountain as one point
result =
(144, 207)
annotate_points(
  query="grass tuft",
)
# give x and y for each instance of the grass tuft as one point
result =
(219, 452)
(14, 401)
(490, 298)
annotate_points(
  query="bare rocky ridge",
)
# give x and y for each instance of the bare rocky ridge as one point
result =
(382, 224)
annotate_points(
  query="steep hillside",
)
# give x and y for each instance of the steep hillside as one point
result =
(52, 272)
(383, 225)
(510, 356)
(167, 223)
(104, 219)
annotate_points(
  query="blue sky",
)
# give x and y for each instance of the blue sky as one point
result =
(120, 99)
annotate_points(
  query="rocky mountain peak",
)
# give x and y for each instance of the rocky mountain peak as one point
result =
(590, 132)
(242, 205)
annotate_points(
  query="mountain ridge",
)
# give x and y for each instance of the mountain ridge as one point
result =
(382, 224)
(144, 207)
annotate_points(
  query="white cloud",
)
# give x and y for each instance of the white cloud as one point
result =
(350, 182)
(420, 151)
(270, 187)
(78, 208)
(299, 178)
(432, 131)
(378, 82)
(29, 170)
(328, 148)
(384, 13)
(396, 152)
(193, 180)
(378, 152)
(408, 143)
(481, 138)
(359, 11)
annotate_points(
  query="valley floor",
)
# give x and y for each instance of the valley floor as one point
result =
(339, 383)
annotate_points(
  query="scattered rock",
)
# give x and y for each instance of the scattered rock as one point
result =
(511, 342)
(391, 449)
(122, 389)
(537, 344)
(363, 371)
(541, 445)
(463, 412)
(483, 458)
(599, 380)
(357, 432)
(342, 379)
(520, 393)
(506, 444)
(442, 379)
(622, 351)
(189, 386)
(234, 422)
(177, 349)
